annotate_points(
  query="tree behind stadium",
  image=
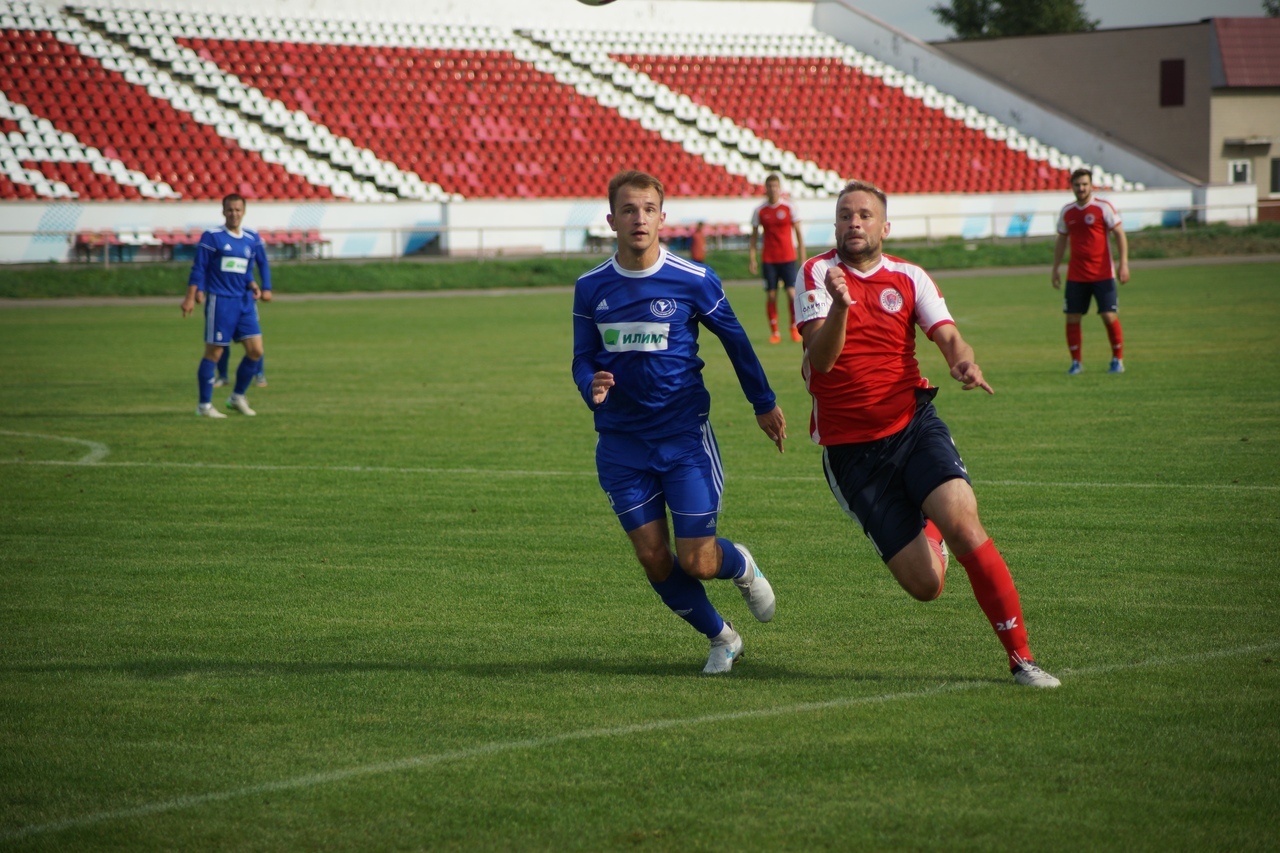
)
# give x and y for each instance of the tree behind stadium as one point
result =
(972, 19)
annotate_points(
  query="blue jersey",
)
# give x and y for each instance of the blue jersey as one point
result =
(224, 263)
(643, 328)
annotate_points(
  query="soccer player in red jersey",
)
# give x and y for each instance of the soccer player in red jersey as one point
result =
(1086, 223)
(889, 459)
(778, 222)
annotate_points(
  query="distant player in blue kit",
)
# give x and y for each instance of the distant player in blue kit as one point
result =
(223, 271)
(635, 362)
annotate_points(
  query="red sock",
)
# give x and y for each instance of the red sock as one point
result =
(1116, 335)
(1073, 340)
(771, 308)
(792, 305)
(998, 597)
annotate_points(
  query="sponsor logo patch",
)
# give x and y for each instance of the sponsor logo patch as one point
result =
(635, 337)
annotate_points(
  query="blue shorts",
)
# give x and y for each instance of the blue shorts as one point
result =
(1079, 293)
(643, 478)
(882, 484)
(228, 319)
(784, 272)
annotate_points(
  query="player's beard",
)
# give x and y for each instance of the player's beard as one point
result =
(868, 251)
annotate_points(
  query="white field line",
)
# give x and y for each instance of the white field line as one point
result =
(97, 452)
(527, 744)
(516, 472)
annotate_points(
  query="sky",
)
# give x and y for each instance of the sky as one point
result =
(914, 17)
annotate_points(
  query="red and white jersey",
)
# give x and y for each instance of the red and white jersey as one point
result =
(776, 220)
(1088, 228)
(871, 390)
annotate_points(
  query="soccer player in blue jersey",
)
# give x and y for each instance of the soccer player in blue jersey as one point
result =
(222, 270)
(635, 362)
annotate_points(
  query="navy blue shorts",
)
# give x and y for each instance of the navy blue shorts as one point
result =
(1080, 292)
(643, 478)
(882, 484)
(229, 319)
(774, 273)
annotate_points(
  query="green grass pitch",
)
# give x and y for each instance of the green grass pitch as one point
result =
(394, 611)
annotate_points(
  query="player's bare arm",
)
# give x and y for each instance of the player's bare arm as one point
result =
(189, 301)
(959, 356)
(1059, 250)
(824, 338)
(751, 250)
(1122, 246)
(774, 425)
(600, 385)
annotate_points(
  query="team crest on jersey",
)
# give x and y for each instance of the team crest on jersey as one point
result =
(1088, 219)
(891, 301)
(662, 308)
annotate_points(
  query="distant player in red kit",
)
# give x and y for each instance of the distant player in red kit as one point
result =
(889, 459)
(1087, 223)
(778, 222)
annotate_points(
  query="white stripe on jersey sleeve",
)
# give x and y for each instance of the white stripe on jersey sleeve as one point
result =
(931, 308)
(686, 266)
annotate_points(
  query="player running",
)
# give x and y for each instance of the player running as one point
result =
(636, 365)
(778, 222)
(888, 458)
(222, 269)
(1090, 274)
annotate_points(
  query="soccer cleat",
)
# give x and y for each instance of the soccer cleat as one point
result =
(795, 335)
(1026, 672)
(755, 588)
(1075, 369)
(240, 404)
(775, 338)
(938, 546)
(206, 410)
(1117, 366)
(261, 380)
(220, 382)
(726, 649)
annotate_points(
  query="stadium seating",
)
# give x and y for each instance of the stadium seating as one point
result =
(107, 103)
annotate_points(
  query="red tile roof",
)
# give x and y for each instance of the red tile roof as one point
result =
(1250, 49)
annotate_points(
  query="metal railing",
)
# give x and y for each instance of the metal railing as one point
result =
(483, 242)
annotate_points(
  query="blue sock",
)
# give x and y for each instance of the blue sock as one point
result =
(262, 367)
(687, 598)
(223, 361)
(204, 378)
(245, 372)
(732, 563)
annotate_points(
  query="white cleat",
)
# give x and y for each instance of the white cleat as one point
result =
(726, 649)
(206, 410)
(220, 382)
(755, 588)
(240, 404)
(1026, 672)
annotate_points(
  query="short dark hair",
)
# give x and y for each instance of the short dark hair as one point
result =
(856, 185)
(1082, 173)
(637, 179)
(233, 197)
(773, 176)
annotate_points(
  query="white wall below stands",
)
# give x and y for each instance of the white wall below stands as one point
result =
(33, 232)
